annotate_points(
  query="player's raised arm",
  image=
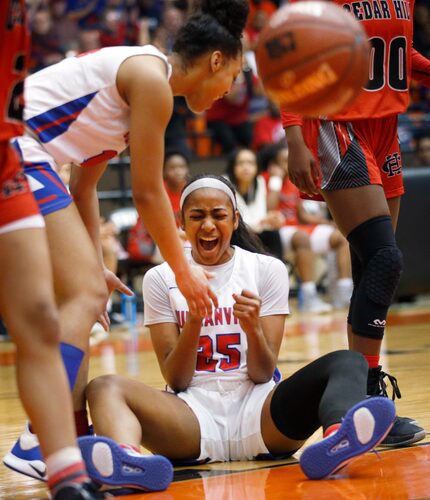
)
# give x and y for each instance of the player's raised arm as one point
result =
(143, 84)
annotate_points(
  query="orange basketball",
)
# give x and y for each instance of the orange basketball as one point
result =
(313, 58)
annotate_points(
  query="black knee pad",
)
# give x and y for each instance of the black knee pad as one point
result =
(382, 275)
(382, 265)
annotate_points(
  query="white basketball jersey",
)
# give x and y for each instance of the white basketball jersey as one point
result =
(222, 352)
(74, 107)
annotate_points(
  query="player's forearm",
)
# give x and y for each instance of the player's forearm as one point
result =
(294, 135)
(88, 206)
(261, 360)
(180, 364)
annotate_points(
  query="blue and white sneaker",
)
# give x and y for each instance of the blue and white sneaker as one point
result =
(26, 457)
(364, 426)
(108, 463)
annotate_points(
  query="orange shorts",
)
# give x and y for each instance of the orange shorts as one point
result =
(18, 208)
(357, 153)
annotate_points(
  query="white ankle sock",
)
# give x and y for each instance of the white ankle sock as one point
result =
(62, 459)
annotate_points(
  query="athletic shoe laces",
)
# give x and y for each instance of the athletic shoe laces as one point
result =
(394, 385)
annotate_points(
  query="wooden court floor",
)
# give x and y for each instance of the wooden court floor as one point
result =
(395, 474)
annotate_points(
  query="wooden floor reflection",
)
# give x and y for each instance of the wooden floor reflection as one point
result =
(395, 474)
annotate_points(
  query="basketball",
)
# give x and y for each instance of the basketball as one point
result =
(313, 58)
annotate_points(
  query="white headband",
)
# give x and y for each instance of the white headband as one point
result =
(207, 182)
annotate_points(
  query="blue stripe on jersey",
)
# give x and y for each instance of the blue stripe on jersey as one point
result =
(56, 121)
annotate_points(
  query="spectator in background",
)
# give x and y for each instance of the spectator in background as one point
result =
(172, 19)
(89, 39)
(140, 245)
(45, 44)
(422, 27)
(63, 27)
(176, 172)
(175, 138)
(422, 149)
(251, 194)
(114, 27)
(268, 129)
(256, 24)
(87, 13)
(229, 118)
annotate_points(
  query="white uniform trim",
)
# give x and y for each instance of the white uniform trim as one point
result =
(32, 222)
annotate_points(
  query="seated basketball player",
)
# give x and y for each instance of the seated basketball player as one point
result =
(222, 402)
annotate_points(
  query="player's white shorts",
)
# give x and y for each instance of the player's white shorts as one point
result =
(319, 237)
(229, 414)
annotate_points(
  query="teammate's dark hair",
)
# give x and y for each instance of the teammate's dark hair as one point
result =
(215, 25)
(242, 236)
(231, 163)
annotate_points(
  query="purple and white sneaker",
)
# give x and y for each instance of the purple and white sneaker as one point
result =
(364, 426)
(108, 463)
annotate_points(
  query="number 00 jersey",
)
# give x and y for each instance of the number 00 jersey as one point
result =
(74, 108)
(222, 351)
(389, 25)
(13, 51)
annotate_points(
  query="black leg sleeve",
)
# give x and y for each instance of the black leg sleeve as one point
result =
(319, 394)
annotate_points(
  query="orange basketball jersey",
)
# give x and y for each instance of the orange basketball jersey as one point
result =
(389, 25)
(13, 50)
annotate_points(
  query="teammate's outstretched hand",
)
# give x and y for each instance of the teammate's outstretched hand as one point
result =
(195, 287)
(247, 310)
(112, 283)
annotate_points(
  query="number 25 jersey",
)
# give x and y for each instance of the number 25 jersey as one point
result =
(222, 350)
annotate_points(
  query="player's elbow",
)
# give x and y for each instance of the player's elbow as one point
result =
(145, 199)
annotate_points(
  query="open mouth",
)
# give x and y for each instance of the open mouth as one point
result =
(208, 244)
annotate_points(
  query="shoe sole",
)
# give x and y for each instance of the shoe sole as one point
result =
(107, 463)
(23, 467)
(335, 452)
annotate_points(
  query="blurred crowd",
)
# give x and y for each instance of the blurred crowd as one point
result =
(245, 118)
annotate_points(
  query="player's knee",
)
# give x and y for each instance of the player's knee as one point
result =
(101, 387)
(93, 299)
(382, 275)
(343, 361)
(38, 325)
(300, 240)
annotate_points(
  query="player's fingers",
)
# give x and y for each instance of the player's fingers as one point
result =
(121, 287)
(104, 321)
(310, 188)
(213, 297)
(205, 307)
(192, 307)
(251, 295)
(250, 305)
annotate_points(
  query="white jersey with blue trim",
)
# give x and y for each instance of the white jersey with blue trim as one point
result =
(222, 351)
(74, 108)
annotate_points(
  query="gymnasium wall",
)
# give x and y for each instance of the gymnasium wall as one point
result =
(413, 232)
